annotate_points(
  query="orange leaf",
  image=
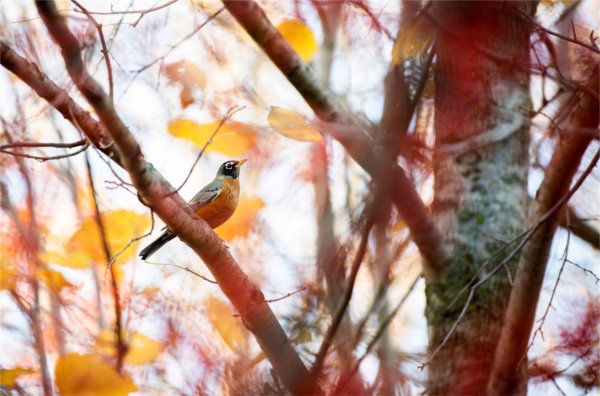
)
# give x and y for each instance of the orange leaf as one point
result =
(189, 76)
(9, 377)
(8, 271)
(54, 279)
(85, 245)
(228, 327)
(233, 139)
(142, 349)
(300, 37)
(89, 375)
(293, 125)
(240, 223)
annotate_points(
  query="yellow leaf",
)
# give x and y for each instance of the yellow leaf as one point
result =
(228, 327)
(142, 349)
(9, 377)
(8, 272)
(240, 223)
(85, 245)
(412, 40)
(189, 76)
(79, 260)
(300, 37)
(233, 139)
(89, 375)
(293, 125)
(54, 279)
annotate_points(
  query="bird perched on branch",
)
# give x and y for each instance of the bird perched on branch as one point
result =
(215, 203)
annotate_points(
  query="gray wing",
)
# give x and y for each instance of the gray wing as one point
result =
(207, 194)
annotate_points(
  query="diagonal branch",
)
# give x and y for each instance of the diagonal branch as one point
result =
(59, 99)
(520, 314)
(158, 194)
(360, 146)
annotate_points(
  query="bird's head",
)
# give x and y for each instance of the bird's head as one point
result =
(230, 169)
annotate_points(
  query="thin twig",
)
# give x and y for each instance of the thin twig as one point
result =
(98, 27)
(337, 319)
(384, 325)
(37, 144)
(539, 27)
(227, 116)
(185, 38)
(542, 320)
(585, 270)
(286, 296)
(131, 241)
(191, 271)
(143, 12)
(44, 159)
(120, 345)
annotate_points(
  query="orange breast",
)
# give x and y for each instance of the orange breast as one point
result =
(221, 208)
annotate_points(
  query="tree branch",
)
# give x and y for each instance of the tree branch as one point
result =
(360, 146)
(520, 314)
(158, 194)
(341, 310)
(59, 99)
(120, 345)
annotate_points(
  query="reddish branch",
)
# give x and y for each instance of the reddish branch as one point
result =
(158, 194)
(120, 345)
(59, 99)
(360, 146)
(98, 27)
(343, 306)
(31, 242)
(520, 314)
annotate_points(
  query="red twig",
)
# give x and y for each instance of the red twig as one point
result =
(339, 314)
(98, 27)
(120, 345)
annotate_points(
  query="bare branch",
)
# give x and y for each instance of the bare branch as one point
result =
(36, 144)
(272, 300)
(382, 327)
(104, 48)
(44, 158)
(339, 314)
(143, 12)
(59, 99)
(120, 345)
(187, 269)
(540, 28)
(178, 43)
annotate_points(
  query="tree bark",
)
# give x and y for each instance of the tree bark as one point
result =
(480, 190)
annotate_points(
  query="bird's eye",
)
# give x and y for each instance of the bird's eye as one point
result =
(228, 166)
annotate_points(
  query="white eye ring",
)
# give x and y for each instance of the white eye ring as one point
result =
(228, 166)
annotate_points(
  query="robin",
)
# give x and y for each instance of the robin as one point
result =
(215, 203)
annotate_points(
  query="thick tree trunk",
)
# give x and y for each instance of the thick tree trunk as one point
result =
(482, 107)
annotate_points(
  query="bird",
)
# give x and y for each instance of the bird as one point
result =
(215, 203)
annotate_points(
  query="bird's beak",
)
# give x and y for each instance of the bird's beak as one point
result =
(240, 163)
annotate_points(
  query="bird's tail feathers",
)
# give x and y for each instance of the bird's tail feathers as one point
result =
(157, 244)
